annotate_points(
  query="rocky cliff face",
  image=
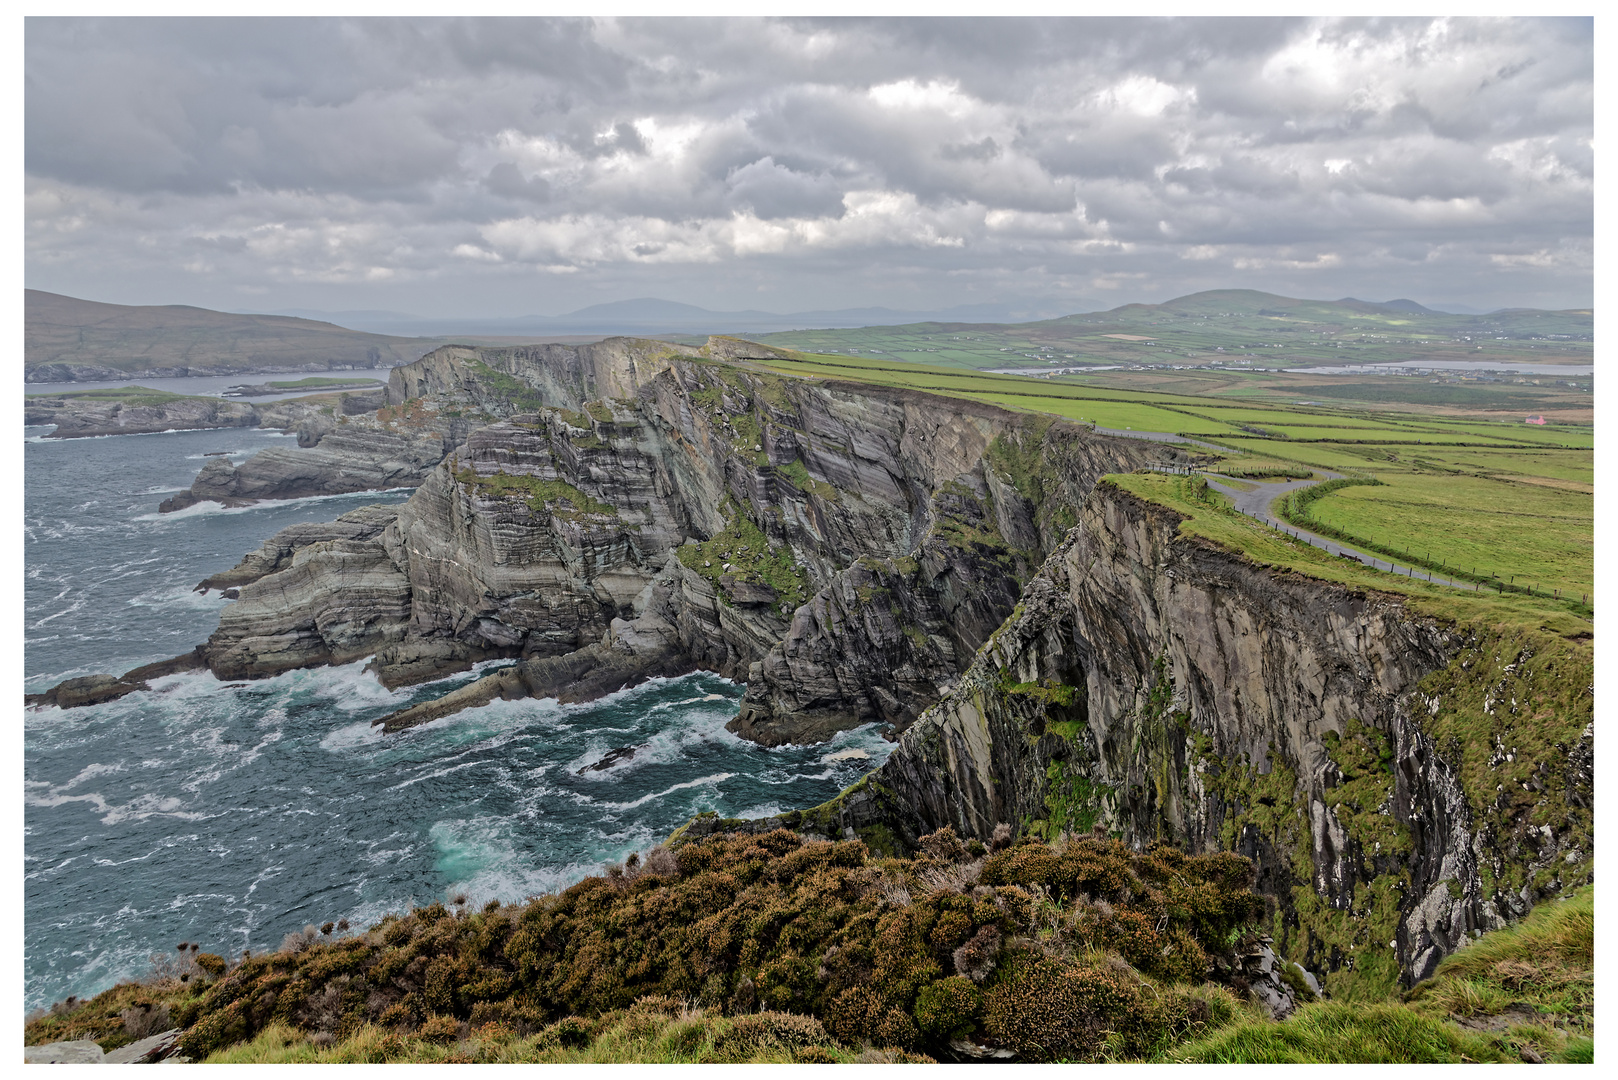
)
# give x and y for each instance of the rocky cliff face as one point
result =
(138, 412)
(80, 418)
(618, 511)
(1402, 784)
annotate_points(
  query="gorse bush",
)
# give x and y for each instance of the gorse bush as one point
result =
(1047, 949)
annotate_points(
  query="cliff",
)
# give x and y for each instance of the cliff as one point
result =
(1403, 782)
(612, 512)
(137, 410)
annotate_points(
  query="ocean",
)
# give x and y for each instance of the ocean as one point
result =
(232, 814)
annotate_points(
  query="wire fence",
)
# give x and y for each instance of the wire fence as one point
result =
(1455, 576)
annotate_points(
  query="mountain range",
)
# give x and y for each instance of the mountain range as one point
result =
(650, 315)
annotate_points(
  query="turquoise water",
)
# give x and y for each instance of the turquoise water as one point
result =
(230, 814)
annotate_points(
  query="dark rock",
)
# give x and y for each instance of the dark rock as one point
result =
(613, 757)
(95, 689)
(92, 690)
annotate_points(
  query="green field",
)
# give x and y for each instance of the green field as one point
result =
(1234, 327)
(1500, 498)
(126, 395)
(1535, 535)
(316, 383)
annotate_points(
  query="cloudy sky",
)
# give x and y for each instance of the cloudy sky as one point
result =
(451, 168)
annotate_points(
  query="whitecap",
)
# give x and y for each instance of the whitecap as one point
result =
(701, 781)
(795, 777)
(351, 735)
(437, 773)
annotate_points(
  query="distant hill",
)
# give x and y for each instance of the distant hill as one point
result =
(1222, 326)
(70, 340)
(650, 315)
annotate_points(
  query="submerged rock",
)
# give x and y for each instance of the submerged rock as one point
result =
(613, 757)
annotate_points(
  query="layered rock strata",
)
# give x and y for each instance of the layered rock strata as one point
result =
(142, 413)
(1157, 687)
(841, 548)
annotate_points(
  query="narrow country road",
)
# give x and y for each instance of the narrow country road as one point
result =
(1256, 504)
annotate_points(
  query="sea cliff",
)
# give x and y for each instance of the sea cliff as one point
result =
(1404, 782)
(608, 513)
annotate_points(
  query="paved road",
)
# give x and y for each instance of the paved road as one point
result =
(1158, 436)
(1256, 504)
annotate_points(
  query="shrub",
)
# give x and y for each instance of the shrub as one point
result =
(976, 959)
(820, 936)
(145, 1018)
(212, 963)
(439, 1029)
(571, 1031)
(397, 1015)
(1045, 1009)
(947, 1009)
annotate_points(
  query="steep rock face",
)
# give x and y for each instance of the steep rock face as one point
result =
(694, 515)
(891, 636)
(276, 553)
(336, 602)
(1165, 690)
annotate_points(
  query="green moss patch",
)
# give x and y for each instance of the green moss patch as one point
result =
(747, 551)
(556, 497)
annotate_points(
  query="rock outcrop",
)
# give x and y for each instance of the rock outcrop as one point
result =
(137, 411)
(618, 511)
(78, 417)
(1403, 784)
(95, 689)
(366, 523)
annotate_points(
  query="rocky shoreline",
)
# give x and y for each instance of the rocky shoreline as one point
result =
(613, 512)
(1051, 653)
(141, 411)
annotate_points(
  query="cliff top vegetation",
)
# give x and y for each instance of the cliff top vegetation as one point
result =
(773, 948)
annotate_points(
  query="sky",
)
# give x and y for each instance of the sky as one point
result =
(449, 168)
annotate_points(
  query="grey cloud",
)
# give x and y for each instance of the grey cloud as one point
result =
(357, 157)
(772, 191)
(985, 150)
(506, 179)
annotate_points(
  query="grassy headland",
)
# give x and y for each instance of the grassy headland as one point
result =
(773, 949)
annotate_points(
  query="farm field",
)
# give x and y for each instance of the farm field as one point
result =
(1231, 326)
(1505, 499)
(1493, 526)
